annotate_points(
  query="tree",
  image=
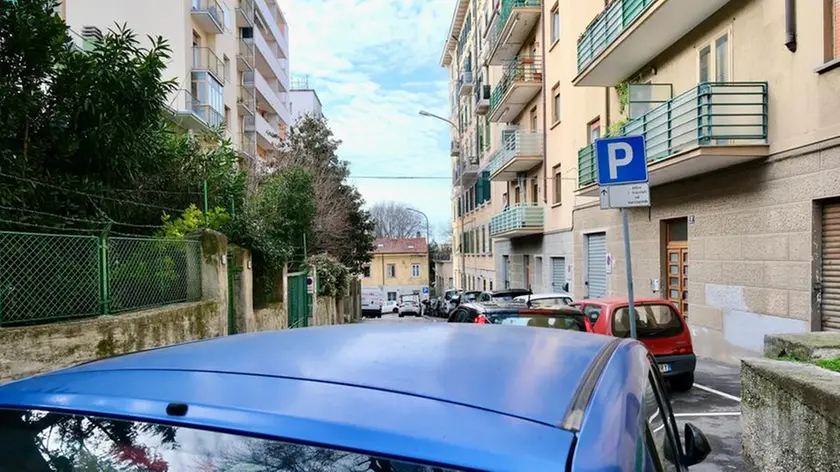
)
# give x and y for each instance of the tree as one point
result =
(395, 221)
(343, 228)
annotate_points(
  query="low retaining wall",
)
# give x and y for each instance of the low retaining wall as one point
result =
(271, 318)
(30, 350)
(790, 416)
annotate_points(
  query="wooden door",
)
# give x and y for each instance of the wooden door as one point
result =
(677, 280)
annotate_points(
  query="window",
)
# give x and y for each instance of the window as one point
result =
(713, 60)
(555, 106)
(227, 117)
(652, 321)
(226, 17)
(483, 241)
(366, 271)
(391, 271)
(593, 130)
(832, 30)
(415, 270)
(659, 426)
(535, 192)
(558, 185)
(491, 285)
(555, 24)
(538, 270)
(90, 445)
(392, 296)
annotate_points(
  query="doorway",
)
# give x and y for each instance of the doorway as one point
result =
(676, 255)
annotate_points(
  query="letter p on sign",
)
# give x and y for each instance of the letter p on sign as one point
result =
(621, 160)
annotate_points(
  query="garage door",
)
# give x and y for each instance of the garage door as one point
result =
(596, 265)
(830, 277)
(558, 273)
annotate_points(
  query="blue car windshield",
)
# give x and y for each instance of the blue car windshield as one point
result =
(39, 441)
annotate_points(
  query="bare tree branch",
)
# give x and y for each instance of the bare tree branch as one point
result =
(395, 221)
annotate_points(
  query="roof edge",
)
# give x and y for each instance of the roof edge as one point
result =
(454, 29)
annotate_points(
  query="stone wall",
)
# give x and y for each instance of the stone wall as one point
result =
(33, 349)
(790, 416)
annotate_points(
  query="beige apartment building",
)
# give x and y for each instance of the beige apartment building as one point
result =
(229, 57)
(739, 103)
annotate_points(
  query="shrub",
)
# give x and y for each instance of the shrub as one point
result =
(333, 276)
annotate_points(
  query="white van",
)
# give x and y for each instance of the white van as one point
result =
(371, 302)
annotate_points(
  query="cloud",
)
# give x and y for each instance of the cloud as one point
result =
(375, 64)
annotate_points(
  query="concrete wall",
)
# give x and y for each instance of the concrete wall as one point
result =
(544, 247)
(790, 416)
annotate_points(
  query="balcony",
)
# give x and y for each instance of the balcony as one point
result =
(268, 96)
(469, 171)
(264, 128)
(183, 112)
(248, 144)
(208, 114)
(522, 219)
(246, 100)
(710, 127)
(245, 55)
(520, 151)
(268, 60)
(482, 99)
(465, 83)
(245, 13)
(272, 15)
(454, 149)
(628, 34)
(517, 18)
(205, 60)
(520, 83)
(208, 14)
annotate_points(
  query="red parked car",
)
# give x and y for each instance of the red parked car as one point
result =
(659, 325)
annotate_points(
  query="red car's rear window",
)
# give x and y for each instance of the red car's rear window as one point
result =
(652, 321)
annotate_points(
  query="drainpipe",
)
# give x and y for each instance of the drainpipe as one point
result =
(790, 25)
(545, 117)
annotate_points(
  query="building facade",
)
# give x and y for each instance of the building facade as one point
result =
(303, 100)
(399, 267)
(739, 103)
(229, 58)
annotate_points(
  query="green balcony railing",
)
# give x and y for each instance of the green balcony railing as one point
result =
(606, 27)
(520, 69)
(521, 216)
(519, 143)
(710, 114)
(506, 8)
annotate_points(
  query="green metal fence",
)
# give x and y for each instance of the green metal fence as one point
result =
(47, 277)
(517, 217)
(710, 114)
(520, 69)
(606, 27)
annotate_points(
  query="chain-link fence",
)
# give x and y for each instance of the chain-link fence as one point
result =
(47, 277)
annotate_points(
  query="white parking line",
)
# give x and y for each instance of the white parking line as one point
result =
(718, 392)
(713, 413)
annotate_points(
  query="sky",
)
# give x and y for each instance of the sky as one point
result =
(375, 64)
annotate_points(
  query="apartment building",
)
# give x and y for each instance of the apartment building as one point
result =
(739, 103)
(398, 267)
(303, 99)
(505, 237)
(229, 58)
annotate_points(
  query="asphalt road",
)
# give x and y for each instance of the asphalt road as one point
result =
(713, 405)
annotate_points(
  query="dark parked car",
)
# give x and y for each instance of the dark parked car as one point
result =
(502, 295)
(518, 314)
(477, 398)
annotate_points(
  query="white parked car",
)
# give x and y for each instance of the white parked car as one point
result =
(409, 307)
(390, 306)
(546, 299)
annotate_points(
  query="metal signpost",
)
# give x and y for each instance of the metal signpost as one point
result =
(623, 183)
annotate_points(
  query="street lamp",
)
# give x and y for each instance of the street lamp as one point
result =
(428, 237)
(432, 115)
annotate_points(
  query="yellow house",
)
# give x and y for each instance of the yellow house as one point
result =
(399, 267)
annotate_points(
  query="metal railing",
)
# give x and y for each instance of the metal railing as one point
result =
(517, 217)
(247, 98)
(505, 10)
(606, 27)
(248, 144)
(204, 59)
(519, 143)
(466, 77)
(49, 277)
(208, 114)
(248, 9)
(247, 52)
(212, 8)
(520, 69)
(710, 114)
(454, 148)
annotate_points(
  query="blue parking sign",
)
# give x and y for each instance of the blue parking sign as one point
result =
(621, 160)
(425, 289)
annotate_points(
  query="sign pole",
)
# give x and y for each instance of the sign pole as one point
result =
(629, 263)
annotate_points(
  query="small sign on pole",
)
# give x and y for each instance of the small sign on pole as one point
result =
(623, 183)
(310, 285)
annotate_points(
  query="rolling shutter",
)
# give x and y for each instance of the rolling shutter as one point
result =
(596, 265)
(558, 273)
(830, 273)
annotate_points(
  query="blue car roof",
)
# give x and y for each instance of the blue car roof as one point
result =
(503, 392)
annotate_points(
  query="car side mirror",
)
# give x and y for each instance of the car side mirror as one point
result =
(697, 447)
